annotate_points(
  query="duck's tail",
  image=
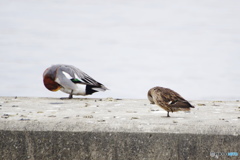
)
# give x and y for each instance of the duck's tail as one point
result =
(182, 105)
(100, 88)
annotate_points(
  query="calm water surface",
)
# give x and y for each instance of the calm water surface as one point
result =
(190, 46)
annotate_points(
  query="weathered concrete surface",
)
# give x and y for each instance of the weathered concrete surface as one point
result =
(50, 128)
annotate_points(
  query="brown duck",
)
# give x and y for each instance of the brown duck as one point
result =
(168, 99)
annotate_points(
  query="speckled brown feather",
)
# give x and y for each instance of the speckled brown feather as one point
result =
(168, 99)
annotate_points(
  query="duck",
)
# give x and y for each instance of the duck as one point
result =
(168, 100)
(71, 80)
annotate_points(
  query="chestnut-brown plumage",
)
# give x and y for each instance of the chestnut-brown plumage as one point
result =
(168, 99)
(49, 82)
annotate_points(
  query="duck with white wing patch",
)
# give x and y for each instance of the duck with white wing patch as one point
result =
(71, 80)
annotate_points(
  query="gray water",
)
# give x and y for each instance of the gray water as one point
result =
(190, 46)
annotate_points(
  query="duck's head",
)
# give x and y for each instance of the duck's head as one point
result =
(49, 80)
(150, 98)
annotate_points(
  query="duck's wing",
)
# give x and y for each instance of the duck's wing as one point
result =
(69, 75)
(86, 79)
(173, 99)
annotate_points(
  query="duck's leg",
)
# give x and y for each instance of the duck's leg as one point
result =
(168, 114)
(70, 95)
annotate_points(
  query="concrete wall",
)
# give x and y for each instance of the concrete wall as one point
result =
(46, 145)
(102, 129)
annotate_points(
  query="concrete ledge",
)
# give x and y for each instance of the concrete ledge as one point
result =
(50, 128)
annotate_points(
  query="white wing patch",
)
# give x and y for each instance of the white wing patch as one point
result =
(67, 75)
(76, 76)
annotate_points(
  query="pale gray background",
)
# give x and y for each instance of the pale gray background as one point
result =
(130, 46)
